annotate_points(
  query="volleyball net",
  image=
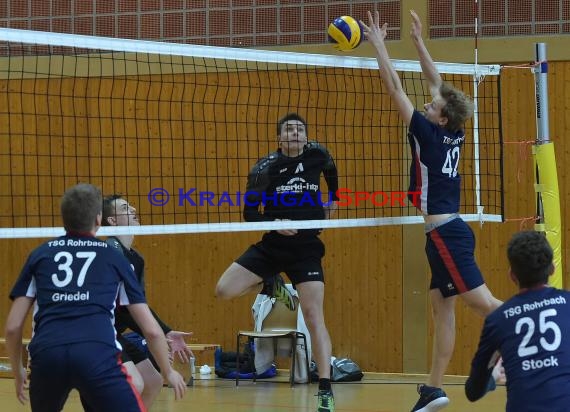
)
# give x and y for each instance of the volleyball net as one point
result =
(176, 129)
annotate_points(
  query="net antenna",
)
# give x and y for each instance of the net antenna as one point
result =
(477, 78)
(190, 121)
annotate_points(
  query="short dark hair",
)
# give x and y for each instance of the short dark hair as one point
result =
(458, 107)
(530, 257)
(80, 206)
(288, 117)
(109, 207)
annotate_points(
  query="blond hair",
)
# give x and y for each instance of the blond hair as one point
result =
(458, 107)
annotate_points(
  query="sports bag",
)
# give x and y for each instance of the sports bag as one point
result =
(342, 370)
(345, 370)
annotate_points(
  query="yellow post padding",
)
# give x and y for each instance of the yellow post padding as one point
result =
(545, 162)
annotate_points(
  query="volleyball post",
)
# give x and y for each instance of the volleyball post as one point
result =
(546, 179)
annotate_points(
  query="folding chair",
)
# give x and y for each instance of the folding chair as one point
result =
(279, 323)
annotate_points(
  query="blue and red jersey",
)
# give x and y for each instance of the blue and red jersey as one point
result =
(76, 282)
(434, 168)
(531, 331)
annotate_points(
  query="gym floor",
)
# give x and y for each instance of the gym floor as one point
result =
(375, 393)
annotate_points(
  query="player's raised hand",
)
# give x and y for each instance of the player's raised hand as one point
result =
(416, 29)
(373, 31)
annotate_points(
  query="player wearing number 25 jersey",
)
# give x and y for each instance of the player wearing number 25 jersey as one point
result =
(532, 333)
(73, 283)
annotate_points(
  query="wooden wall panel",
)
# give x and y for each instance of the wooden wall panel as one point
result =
(363, 266)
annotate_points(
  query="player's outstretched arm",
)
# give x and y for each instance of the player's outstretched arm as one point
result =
(178, 345)
(175, 339)
(376, 35)
(13, 333)
(426, 62)
(158, 346)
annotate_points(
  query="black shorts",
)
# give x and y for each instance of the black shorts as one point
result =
(131, 352)
(450, 252)
(298, 257)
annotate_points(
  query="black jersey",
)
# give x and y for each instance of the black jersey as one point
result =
(135, 258)
(123, 318)
(289, 187)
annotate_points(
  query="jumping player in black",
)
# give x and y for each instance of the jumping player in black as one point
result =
(287, 184)
(73, 282)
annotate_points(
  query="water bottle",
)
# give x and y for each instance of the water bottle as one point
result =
(192, 371)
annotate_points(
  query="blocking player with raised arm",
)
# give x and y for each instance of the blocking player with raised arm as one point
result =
(287, 182)
(530, 331)
(435, 140)
(73, 282)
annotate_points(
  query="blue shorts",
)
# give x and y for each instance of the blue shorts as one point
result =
(449, 249)
(93, 368)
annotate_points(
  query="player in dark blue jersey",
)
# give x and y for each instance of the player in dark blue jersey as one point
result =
(531, 331)
(146, 378)
(73, 282)
(287, 184)
(435, 140)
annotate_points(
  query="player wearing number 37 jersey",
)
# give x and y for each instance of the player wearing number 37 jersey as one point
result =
(73, 283)
(531, 331)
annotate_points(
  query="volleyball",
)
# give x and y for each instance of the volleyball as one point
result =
(345, 32)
